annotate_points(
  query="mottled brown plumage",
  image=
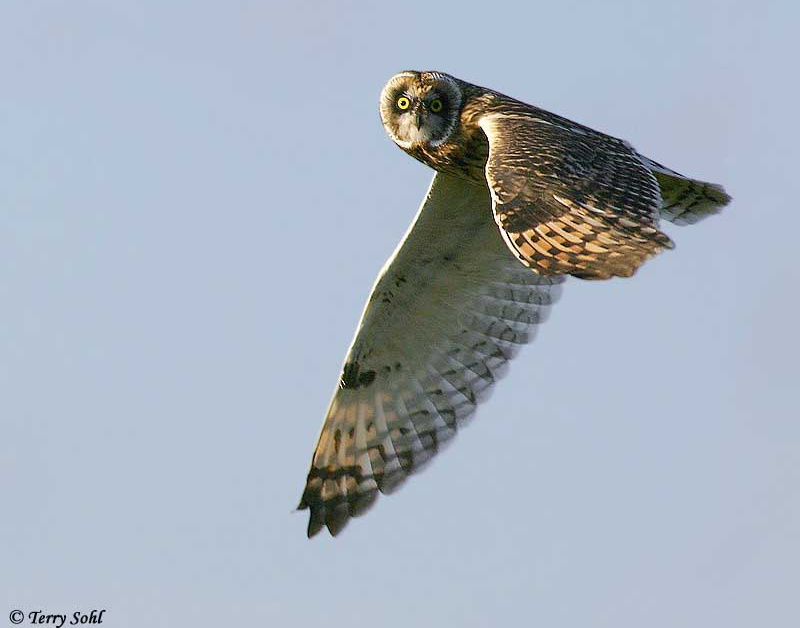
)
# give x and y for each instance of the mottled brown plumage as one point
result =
(568, 199)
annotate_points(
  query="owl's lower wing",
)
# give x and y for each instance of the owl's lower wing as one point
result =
(570, 200)
(447, 312)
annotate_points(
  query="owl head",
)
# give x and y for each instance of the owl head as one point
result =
(420, 108)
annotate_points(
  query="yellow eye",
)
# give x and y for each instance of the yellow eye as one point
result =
(436, 105)
(403, 103)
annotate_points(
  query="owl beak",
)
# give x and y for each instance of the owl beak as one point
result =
(418, 118)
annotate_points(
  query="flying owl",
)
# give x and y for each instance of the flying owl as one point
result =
(521, 198)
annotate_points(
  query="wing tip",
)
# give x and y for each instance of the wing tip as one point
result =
(334, 514)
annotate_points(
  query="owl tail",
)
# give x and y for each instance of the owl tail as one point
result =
(686, 201)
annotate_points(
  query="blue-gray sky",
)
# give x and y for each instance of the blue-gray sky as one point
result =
(195, 200)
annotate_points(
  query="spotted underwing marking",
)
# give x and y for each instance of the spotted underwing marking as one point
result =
(353, 378)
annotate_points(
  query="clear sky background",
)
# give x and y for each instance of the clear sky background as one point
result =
(195, 200)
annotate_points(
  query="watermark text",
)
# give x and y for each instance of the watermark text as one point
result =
(57, 620)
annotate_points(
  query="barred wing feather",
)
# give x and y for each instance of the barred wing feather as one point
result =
(447, 312)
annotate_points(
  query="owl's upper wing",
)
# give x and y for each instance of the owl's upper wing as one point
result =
(447, 312)
(571, 200)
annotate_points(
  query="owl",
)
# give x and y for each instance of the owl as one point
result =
(521, 199)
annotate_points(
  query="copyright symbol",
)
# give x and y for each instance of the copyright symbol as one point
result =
(16, 617)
